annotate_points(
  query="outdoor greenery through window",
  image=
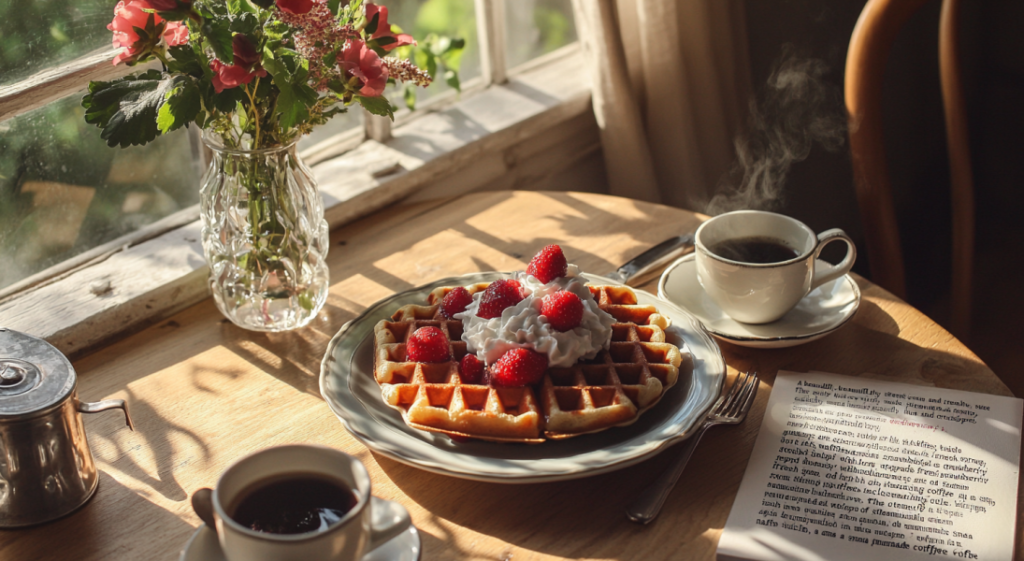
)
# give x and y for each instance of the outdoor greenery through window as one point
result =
(63, 191)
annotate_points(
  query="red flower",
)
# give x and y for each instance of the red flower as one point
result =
(131, 14)
(364, 64)
(244, 52)
(229, 76)
(297, 7)
(246, 65)
(384, 28)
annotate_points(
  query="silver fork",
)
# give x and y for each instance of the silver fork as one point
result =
(730, 409)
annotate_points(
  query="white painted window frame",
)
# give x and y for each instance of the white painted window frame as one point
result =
(141, 278)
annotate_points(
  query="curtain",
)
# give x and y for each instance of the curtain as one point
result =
(671, 80)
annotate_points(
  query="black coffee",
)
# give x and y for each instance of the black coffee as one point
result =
(293, 503)
(754, 249)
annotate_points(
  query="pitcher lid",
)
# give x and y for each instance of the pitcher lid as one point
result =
(34, 375)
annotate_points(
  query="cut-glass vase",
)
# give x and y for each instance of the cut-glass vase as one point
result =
(264, 237)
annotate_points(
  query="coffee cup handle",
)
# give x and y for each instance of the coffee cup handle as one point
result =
(388, 520)
(828, 272)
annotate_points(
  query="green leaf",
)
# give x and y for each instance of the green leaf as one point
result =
(431, 64)
(246, 24)
(371, 26)
(173, 16)
(377, 106)
(126, 109)
(181, 104)
(409, 93)
(184, 60)
(239, 7)
(218, 34)
(333, 6)
(451, 77)
(290, 104)
(457, 44)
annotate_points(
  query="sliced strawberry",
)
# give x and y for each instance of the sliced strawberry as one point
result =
(563, 309)
(548, 264)
(499, 295)
(455, 301)
(519, 367)
(471, 369)
(427, 344)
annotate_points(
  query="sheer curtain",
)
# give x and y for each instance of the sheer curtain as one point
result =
(671, 81)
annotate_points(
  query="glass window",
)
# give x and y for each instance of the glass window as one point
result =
(451, 18)
(63, 191)
(38, 34)
(536, 27)
(349, 120)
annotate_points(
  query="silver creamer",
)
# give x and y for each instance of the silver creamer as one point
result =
(46, 467)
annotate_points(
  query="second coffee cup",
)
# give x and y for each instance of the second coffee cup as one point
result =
(256, 520)
(758, 265)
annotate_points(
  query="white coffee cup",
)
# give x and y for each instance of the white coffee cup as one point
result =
(369, 524)
(764, 292)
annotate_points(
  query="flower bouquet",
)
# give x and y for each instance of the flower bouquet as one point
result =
(256, 75)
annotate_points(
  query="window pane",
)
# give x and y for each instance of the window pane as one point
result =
(452, 18)
(536, 27)
(37, 34)
(63, 191)
(351, 119)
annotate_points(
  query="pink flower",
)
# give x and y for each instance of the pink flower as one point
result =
(297, 7)
(131, 14)
(384, 28)
(364, 64)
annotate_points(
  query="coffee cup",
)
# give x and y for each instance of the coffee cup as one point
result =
(758, 265)
(255, 486)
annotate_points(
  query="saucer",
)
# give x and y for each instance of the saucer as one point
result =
(824, 310)
(203, 546)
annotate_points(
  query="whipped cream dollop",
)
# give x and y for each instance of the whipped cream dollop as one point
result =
(523, 325)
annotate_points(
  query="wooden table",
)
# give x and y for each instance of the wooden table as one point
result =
(203, 393)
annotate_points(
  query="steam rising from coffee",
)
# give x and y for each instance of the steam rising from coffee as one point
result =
(797, 110)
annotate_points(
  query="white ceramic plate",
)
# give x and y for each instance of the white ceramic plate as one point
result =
(348, 386)
(824, 310)
(203, 546)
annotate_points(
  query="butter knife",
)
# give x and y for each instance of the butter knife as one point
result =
(639, 270)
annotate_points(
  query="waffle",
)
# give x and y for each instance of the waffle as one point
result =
(612, 389)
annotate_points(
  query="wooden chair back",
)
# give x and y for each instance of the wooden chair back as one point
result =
(879, 23)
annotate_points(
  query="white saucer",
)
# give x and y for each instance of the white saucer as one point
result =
(824, 310)
(203, 546)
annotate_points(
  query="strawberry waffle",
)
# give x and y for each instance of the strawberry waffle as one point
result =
(538, 356)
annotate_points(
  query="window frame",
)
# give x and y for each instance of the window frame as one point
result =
(136, 280)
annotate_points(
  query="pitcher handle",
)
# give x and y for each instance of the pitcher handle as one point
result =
(105, 405)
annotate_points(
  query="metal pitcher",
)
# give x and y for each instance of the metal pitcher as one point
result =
(46, 467)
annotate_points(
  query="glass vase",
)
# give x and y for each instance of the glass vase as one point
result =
(264, 237)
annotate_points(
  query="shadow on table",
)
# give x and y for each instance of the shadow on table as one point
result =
(87, 534)
(581, 518)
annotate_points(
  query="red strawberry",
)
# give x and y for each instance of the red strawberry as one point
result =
(499, 295)
(563, 309)
(519, 367)
(455, 301)
(427, 344)
(471, 370)
(548, 264)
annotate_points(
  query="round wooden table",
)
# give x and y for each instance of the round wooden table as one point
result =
(203, 393)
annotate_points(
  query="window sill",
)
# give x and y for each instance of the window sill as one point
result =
(502, 137)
